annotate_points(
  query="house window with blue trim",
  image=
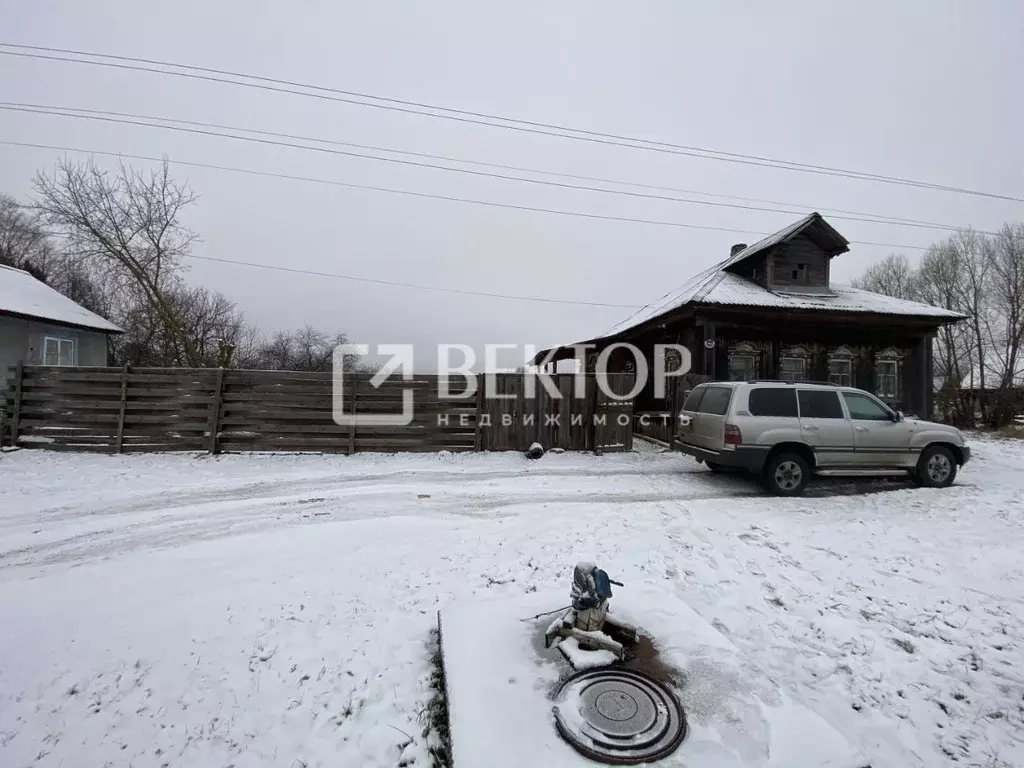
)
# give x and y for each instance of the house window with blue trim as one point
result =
(58, 351)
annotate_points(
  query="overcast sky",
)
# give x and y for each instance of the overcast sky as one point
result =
(917, 89)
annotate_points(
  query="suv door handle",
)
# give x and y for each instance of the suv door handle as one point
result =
(861, 429)
(810, 427)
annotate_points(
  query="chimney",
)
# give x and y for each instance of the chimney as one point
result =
(737, 248)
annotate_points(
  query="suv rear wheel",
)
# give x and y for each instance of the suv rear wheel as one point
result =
(786, 474)
(936, 468)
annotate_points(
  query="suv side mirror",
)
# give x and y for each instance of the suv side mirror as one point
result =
(899, 416)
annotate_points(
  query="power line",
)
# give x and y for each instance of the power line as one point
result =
(392, 283)
(428, 195)
(477, 118)
(130, 118)
(440, 289)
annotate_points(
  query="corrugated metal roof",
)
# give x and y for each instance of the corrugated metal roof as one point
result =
(22, 294)
(697, 288)
(782, 235)
(733, 290)
(717, 287)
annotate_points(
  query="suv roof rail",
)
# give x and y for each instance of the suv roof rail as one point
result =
(784, 381)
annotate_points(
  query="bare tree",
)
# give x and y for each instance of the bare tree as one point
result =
(980, 359)
(893, 276)
(278, 352)
(22, 240)
(1004, 254)
(306, 349)
(127, 224)
(212, 322)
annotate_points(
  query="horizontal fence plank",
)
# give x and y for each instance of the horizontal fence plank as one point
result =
(76, 448)
(184, 445)
(50, 379)
(81, 390)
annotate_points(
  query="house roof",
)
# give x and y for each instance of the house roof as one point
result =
(23, 295)
(716, 286)
(813, 225)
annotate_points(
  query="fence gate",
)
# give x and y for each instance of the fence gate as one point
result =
(613, 418)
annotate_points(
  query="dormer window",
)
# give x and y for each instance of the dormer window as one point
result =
(800, 273)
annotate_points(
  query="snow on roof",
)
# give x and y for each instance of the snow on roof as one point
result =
(730, 289)
(22, 294)
(813, 221)
(696, 288)
(716, 286)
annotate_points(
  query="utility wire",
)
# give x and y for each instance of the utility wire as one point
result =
(130, 118)
(467, 116)
(393, 283)
(427, 195)
(441, 289)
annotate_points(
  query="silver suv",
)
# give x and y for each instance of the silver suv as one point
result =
(785, 432)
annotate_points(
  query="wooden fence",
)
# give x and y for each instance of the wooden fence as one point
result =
(122, 410)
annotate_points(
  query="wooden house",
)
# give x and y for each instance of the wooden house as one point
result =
(771, 311)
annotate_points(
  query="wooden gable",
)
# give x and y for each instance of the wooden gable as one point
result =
(798, 263)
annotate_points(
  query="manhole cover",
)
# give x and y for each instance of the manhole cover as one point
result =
(619, 716)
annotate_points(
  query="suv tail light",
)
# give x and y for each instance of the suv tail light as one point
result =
(733, 436)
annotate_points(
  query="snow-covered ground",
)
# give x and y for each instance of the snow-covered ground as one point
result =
(276, 610)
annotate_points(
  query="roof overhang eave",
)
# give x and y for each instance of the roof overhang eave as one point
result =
(61, 323)
(568, 351)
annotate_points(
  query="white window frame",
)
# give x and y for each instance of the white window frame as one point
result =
(837, 377)
(59, 340)
(753, 366)
(895, 376)
(788, 375)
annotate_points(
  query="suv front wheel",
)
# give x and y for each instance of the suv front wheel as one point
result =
(936, 468)
(786, 474)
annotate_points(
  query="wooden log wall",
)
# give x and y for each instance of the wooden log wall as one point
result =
(123, 410)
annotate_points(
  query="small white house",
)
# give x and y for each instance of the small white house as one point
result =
(39, 326)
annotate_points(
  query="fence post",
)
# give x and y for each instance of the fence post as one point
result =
(214, 426)
(672, 417)
(19, 375)
(120, 413)
(478, 436)
(352, 426)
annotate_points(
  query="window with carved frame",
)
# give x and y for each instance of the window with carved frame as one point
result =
(743, 362)
(840, 367)
(793, 369)
(794, 362)
(888, 375)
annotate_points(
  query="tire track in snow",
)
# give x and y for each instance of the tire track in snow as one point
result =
(177, 522)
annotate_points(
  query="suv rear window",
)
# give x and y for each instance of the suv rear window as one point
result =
(693, 399)
(820, 404)
(773, 401)
(715, 400)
